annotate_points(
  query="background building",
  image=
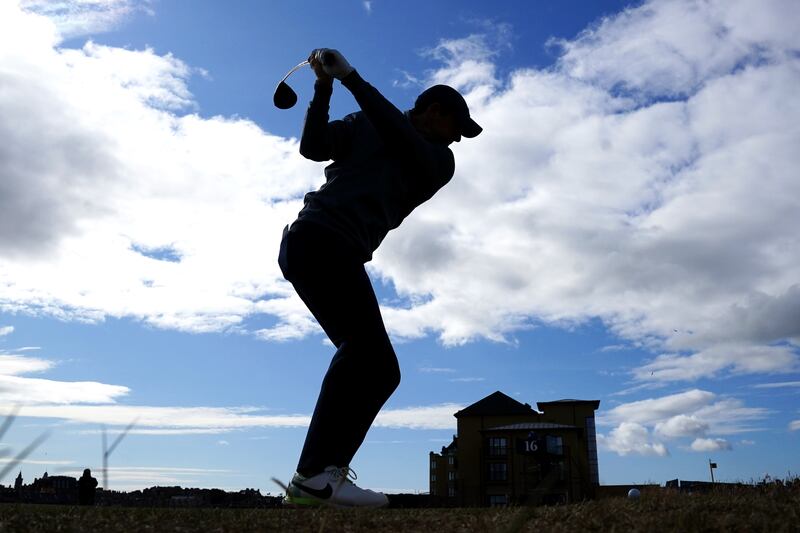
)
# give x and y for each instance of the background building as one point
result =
(506, 452)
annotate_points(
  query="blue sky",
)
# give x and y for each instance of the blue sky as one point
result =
(623, 230)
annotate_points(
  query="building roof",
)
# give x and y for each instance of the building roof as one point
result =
(495, 404)
(595, 403)
(531, 425)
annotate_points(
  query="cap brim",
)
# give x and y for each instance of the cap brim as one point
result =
(470, 129)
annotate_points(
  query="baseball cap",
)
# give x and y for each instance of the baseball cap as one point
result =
(451, 100)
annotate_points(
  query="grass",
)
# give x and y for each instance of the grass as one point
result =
(743, 510)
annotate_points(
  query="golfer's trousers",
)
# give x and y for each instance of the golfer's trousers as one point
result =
(327, 275)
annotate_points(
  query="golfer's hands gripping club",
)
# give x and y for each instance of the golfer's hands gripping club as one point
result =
(331, 62)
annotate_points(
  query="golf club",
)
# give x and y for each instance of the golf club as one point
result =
(285, 97)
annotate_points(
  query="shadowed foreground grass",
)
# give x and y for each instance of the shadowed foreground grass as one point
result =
(660, 511)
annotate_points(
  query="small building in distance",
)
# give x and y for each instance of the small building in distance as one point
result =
(505, 452)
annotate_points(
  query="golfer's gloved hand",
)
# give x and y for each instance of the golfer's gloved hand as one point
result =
(333, 62)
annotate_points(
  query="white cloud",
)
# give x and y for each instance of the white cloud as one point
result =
(13, 365)
(160, 431)
(151, 420)
(781, 384)
(665, 209)
(710, 445)
(6, 330)
(672, 47)
(112, 171)
(55, 462)
(682, 426)
(367, 6)
(631, 438)
(137, 477)
(466, 380)
(658, 409)
(737, 359)
(794, 425)
(18, 389)
(436, 370)
(688, 413)
(86, 402)
(423, 417)
(81, 17)
(691, 414)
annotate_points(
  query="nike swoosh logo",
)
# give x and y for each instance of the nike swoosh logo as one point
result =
(322, 494)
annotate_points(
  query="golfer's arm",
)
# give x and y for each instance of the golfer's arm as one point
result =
(395, 129)
(322, 140)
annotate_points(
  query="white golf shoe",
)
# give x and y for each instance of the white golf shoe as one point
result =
(334, 487)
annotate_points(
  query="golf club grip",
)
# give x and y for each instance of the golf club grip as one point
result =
(328, 59)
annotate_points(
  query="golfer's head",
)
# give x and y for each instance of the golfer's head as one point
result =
(443, 115)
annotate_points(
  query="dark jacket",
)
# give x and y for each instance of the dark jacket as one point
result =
(382, 166)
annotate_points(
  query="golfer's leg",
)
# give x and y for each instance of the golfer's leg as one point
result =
(364, 371)
(362, 375)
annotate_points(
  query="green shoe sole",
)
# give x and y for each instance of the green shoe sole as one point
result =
(304, 502)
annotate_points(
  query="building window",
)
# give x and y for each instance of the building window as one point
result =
(451, 491)
(497, 500)
(498, 471)
(433, 491)
(433, 464)
(433, 478)
(591, 444)
(451, 476)
(555, 445)
(451, 460)
(498, 446)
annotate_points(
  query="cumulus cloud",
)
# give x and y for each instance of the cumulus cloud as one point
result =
(633, 182)
(646, 180)
(794, 425)
(736, 358)
(710, 445)
(693, 414)
(103, 170)
(6, 330)
(682, 426)
(631, 438)
(671, 48)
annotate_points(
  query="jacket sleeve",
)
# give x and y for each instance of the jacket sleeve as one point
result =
(397, 132)
(322, 140)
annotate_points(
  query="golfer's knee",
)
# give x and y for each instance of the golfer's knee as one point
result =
(391, 372)
(383, 364)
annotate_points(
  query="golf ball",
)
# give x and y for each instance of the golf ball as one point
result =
(634, 494)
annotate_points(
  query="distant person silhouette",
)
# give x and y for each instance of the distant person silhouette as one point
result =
(86, 486)
(385, 164)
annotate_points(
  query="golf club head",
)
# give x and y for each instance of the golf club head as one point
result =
(284, 97)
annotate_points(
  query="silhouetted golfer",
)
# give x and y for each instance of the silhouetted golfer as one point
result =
(86, 486)
(385, 164)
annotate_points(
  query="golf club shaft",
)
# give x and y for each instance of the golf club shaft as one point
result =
(301, 65)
